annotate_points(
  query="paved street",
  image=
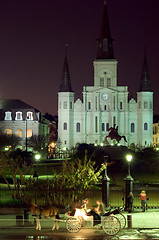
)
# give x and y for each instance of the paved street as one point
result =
(144, 226)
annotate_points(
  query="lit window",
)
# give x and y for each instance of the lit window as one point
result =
(29, 116)
(8, 116)
(145, 105)
(65, 105)
(145, 126)
(78, 127)
(102, 82)
(65, 126)
(18, 116)
(107, 126)
(19, 133)
(108, 82)
(8, 132)
(132, 127)
(29, 133)
(103, 127)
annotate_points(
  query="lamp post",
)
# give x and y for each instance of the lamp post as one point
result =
(105, 185)
(35, 177)
(128, 181)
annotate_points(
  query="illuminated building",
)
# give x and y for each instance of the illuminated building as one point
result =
(105, 104)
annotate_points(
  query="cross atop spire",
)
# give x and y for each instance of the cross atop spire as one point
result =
(145, 83)
(65, 84)
(105, 42)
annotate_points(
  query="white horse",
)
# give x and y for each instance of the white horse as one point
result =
(46, 212)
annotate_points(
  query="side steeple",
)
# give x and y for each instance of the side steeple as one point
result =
(65, 84)
(145, 83)
(105, 42)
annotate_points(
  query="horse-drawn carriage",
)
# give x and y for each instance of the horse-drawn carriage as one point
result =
(111, 222)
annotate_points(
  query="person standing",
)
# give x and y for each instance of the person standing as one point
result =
(130, 202)
(142, 196)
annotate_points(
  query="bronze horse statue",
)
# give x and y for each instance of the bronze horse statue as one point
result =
(113, 134)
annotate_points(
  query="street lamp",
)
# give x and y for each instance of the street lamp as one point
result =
(35, 177)
(129, 158)
(128, 182)
(37, 157)
(105, 185)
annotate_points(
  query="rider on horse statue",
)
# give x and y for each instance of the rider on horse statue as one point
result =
(113, 134)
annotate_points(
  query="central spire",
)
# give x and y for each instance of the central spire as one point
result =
(105, 42)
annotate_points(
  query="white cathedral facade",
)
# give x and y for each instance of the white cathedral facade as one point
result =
(105, 104)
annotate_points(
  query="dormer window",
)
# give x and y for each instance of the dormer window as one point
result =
(18, 116)
(8, 116)
(29, 116)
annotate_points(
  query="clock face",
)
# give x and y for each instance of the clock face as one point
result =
(105, 96)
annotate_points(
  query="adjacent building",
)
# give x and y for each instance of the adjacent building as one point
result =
(105, 104)
(22, 120)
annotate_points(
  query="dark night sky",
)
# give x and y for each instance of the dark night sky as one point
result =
(33, 34)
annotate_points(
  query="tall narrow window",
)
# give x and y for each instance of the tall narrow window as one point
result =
(114, 121)
(96, 103)
(108, 82)
(107, 126)
(8, 116)
(113, 103)
(70, 105)
(145, 126)
(96, 124)
(101, 82)
(121, 105)
(105, 44)
(65, 105)
(65, 126)
(145, 105)
(132, 127)
(139, 105)
(150, 105)
(89, 105)
(103, 127)
(78, 127)
(105, 107)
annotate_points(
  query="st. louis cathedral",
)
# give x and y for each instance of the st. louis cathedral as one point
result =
(105, 104)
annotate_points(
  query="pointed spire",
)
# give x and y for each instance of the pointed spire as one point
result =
(145, 83)
(65, 84)
(105, 42)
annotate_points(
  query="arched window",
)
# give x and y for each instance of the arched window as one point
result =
(8, 116)
(145, 126)
(103, 127)
(65, 126)
(89, 105)
(18, 116)
(29, 133)
(65, 105)
(145, 105)
(29, 116)
(8, 132)
(78, 127)
(121, 105)
(107, 126)
(19, 133)
(132, 127)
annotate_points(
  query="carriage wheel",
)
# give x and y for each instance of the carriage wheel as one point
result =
(122, 219)
(73, 224)
(111, 225)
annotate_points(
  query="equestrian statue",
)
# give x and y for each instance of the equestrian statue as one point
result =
(113, 134)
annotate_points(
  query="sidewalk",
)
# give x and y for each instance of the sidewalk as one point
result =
(140, 220)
